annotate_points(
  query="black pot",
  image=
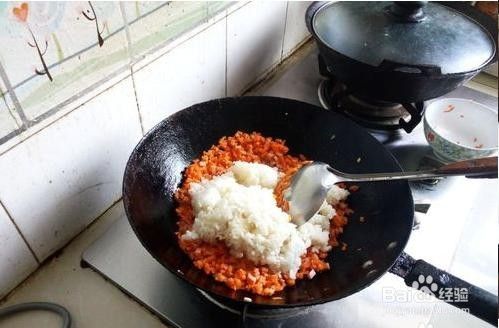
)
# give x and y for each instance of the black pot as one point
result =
(407, 63)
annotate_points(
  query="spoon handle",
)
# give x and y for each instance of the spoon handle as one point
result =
(472, 167)
(482, 167)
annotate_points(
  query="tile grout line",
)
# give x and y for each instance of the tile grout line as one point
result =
(19, 231)
(127, 34)
(226, 50)
(131, 60)
(269, 74)
(60, 106)
(53, 254)
(13, 96)
(151, 52)
(226, 17)
(284, 32)
(81, 94)
(4, 95)
(82, 231)
(137, 101)
(10, 135)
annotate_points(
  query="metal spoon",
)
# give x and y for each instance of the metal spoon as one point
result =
(309, 186)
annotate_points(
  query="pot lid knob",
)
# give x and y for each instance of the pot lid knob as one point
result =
(407, 11)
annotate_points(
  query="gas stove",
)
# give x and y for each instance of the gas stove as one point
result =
(445, 209)
(367, 111)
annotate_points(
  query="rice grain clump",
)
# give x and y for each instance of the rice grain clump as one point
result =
(233, 221)
(239, 208)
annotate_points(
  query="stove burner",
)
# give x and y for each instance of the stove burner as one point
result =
(368, 112)
(253, 312)
(374, 115)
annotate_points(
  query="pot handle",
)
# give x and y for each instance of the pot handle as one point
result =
(446, 287)
(426, 70)
(416, 111)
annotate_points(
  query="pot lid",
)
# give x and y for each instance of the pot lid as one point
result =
(410, 33)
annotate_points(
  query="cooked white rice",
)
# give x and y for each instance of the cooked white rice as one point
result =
(239, 208)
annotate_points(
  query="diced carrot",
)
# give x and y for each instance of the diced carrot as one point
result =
(215, 258)
(450, 108)
(353, 188)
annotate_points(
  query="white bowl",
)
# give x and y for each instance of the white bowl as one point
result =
(460, 129)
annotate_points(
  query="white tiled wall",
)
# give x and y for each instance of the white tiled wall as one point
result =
(192, 72)
(251, 54)
(62, 178)
(57, 181)
(16, 261)
(296, 29)
(76, 69)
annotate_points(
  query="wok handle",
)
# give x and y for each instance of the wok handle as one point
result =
(481, 167)
(446, 287)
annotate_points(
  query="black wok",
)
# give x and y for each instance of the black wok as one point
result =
(154, 172)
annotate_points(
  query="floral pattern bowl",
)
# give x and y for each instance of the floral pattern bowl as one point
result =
(460, 129)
